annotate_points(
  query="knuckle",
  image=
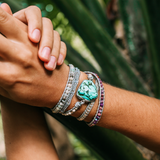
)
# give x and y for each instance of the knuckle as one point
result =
(3, 16)
(63, 45)
(57, 37)
(47, 20)
(63, 49)
(26, 59)
(35, 8)
(56, 34)
(10, 79)
(55, 51)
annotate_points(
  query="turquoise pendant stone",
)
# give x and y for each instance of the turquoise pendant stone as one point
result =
(87, 90)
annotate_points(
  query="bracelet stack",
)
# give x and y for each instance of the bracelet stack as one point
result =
(87, 92)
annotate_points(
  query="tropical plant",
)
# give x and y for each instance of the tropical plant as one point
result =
(135, 71)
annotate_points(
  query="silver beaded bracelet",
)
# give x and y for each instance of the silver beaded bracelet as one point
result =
(74, 109)
(74, 86)
(86, 112)
(66, 92)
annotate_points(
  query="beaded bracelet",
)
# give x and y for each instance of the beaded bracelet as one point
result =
(79, 104)
(74, 109)
(74, 86)
(66, 92)
(99, 111)
(86, 112)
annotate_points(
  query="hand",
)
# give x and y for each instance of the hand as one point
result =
(41, 30)
(22, 75)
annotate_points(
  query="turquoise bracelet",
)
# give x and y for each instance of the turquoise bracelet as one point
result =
(99, 111)
(87, 92)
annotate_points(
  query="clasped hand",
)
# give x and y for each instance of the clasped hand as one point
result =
(23, 77)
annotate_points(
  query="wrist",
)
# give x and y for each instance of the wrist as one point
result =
(57, 86)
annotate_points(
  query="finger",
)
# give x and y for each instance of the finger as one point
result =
(62, 55)
(46, 42)
(51, 65)
(33, 18)
(9, 26)
(6, 7)
(20, 15)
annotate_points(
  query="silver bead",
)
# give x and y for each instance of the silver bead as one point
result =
(71, 79)
(61, 104)
(90, 77)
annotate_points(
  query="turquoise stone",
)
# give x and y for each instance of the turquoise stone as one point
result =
(87, 90)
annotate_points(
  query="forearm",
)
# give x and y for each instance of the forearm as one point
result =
(135, 115)
(26, 133)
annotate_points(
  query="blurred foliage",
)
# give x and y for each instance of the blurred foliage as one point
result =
(151, 14)
(93, 44)
(136, 37)
(99, 14)
(112, 62)
(80, 149)
(106, 1)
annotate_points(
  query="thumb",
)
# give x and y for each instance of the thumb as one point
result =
(6, 7)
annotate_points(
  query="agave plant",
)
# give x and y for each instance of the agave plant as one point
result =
(138, 71)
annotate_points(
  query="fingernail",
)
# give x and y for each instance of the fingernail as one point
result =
(36, 34)
(60, 59)
(46, 53)
(52, 62)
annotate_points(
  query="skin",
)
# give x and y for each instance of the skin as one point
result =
(26, 133)
(25, 129)
(40, 30)
(141, 113)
